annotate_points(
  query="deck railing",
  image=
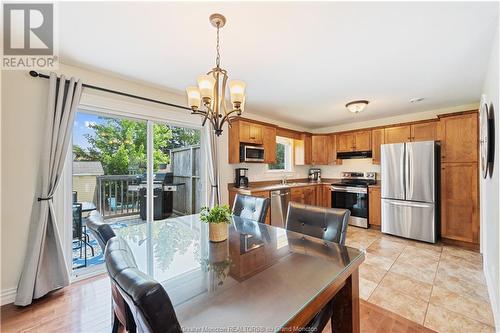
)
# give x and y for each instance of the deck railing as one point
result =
(114, 198)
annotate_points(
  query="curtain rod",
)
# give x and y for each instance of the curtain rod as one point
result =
(44, 76)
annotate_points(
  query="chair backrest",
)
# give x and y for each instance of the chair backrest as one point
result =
(148, 301)
(100, 230)
(77, 220)
(329, 224)
(250, 207)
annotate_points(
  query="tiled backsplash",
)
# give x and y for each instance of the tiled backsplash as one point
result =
(259, 172)
(361, 165)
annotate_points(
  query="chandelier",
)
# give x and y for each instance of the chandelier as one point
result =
(211, 91)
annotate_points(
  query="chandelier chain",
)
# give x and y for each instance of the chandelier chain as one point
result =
(217, 60)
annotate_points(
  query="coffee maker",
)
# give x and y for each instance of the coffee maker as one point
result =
(241, 179)
(314, 175)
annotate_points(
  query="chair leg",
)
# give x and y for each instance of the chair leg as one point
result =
(116, 324)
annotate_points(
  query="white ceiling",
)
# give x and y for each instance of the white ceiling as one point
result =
(302, 62)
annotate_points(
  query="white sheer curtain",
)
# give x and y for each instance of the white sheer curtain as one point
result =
(45, 266)
(212, 164)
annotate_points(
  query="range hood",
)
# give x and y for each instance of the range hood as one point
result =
(354, 154)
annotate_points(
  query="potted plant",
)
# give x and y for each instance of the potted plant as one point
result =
(217, 218)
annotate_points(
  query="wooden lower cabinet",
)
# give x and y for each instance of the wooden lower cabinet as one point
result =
(326, 196)
(460, 202)
(305, 195)
(374, 206)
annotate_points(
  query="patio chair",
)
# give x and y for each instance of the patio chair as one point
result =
(80, 232)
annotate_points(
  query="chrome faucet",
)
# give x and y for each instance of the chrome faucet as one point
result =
(283, 180)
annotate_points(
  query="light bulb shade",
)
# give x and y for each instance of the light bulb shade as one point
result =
(206, 84)
(237, 90)
(356, 106)
(194, 97)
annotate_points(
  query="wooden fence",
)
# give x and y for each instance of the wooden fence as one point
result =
(185, 163)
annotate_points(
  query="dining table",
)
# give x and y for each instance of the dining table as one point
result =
(261, 279)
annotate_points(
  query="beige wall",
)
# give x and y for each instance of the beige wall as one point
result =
(85, 186)
(490, 192)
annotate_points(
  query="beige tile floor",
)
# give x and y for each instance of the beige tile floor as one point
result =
(438, 286)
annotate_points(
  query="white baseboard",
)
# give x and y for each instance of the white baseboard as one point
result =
(8, 296)
(494, 301)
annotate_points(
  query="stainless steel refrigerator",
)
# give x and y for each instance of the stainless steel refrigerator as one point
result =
(410, 190)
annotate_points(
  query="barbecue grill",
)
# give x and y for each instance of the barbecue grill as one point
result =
(163, 197)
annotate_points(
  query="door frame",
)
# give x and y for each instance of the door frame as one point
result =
(141, 111)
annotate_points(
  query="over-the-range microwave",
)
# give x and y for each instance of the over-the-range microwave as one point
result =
(251, 153)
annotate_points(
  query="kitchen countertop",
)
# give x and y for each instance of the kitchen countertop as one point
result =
(276, 185)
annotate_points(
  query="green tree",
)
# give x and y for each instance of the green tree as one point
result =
(120, 145)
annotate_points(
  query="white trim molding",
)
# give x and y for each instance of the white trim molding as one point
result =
(8, 296)
(494, 300)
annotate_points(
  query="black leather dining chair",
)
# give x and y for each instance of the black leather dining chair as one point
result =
(121, 311)
(329, 224)
(148, 301)
(250, 207)
(101, 231)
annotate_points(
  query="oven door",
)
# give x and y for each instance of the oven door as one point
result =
(355, 199)
(251, 154)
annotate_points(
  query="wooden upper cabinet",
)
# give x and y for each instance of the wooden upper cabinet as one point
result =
(307, 138)
(460, 202)
(250, 132)
(269, 140)
(459, 138)
(242, 131)
(374, 206)
(354, 141)
(377, 141)
(424, 131)
(345, 142)
(362, 140)
(332, 150)
(319, 149)
(397, 134)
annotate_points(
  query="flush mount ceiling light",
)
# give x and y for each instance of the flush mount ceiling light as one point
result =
(357, 106)
(211, 90)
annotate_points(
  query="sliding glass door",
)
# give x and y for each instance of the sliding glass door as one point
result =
(111, 160)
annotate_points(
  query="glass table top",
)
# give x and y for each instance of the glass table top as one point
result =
(259, 278)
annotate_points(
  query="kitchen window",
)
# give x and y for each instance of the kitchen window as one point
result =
(283, 155)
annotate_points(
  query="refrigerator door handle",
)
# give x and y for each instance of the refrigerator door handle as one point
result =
(408, 203)
(403, 170)
(408, 185)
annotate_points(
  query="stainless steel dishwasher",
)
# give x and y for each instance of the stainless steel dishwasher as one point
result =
(279, 206)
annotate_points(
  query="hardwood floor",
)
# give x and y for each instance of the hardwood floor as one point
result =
(85, 306)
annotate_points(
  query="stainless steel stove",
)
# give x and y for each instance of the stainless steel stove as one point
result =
(352, 193)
